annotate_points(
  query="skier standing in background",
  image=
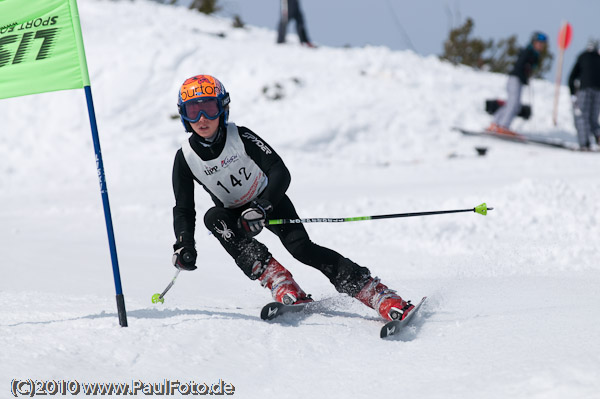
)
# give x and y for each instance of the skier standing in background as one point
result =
(526, 63)
(290, 9)
(584, 85)
(247, 181)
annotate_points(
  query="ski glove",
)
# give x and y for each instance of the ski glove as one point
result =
(253, 219)
(185, 258)
(185, 254)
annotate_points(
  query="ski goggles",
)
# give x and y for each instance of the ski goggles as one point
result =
(193, 110)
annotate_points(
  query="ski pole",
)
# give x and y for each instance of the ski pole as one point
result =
(156, 298)
(480, 209)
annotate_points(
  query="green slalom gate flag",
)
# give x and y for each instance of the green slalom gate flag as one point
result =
(41, 50)
(41, 47)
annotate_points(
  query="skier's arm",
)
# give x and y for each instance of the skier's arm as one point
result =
(184, 213)
(270, 162)
(573, 77)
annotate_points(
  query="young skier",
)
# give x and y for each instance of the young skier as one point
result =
(527, 62)
(247, 181)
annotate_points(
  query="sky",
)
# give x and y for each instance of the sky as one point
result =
(423, 26)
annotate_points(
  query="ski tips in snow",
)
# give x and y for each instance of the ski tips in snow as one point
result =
(276, 309)
(394, 327)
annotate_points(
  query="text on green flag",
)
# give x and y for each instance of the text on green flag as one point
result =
(40, 47)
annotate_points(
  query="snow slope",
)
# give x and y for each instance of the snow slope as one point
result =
(513, 295)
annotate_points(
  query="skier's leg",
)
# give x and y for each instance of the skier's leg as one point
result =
(300, 27)
(500, 112)
(345, 275)
(507, 113)
(246, 251)
(582, 110)
(252, 257)
(283, 22)
(595, 114)
(498, 116)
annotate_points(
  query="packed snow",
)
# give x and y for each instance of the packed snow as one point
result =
(364, 131)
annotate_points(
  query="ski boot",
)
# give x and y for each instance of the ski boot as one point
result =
(501, 130)
(379, 297)
(493, 128)
(282, 285)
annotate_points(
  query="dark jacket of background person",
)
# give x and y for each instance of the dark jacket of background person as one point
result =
(526, 63)
(586, 70)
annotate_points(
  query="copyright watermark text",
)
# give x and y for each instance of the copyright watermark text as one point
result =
(31, 388)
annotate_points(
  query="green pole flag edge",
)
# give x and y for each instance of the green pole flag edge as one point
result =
(41, 47)
(76, 25)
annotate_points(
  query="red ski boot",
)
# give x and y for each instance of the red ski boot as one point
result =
(379, 297)
(282, 285)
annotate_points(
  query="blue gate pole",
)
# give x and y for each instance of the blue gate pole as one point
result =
(107, 216)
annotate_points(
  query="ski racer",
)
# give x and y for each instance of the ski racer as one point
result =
(247, 181)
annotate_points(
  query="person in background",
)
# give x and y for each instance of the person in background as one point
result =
(247, 181)
(290, 9)
(584, 85)
(527, 62)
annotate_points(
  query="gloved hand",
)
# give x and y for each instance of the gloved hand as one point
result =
(253, 219)
(185, 254)
(185, 258)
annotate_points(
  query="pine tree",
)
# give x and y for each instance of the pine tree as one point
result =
(205, 6)
(502, 55)
(461, 49)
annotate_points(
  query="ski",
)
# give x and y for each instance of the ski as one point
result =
(276, 309)
(395, 326)
(522, 138)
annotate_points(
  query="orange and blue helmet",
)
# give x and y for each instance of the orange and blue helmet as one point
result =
(202, 95)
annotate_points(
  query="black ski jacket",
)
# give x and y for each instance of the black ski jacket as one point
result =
(526, 63)
(587, 71)
(184, 213)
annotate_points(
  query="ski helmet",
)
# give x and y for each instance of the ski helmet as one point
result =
(539, 37)
(202, 95)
